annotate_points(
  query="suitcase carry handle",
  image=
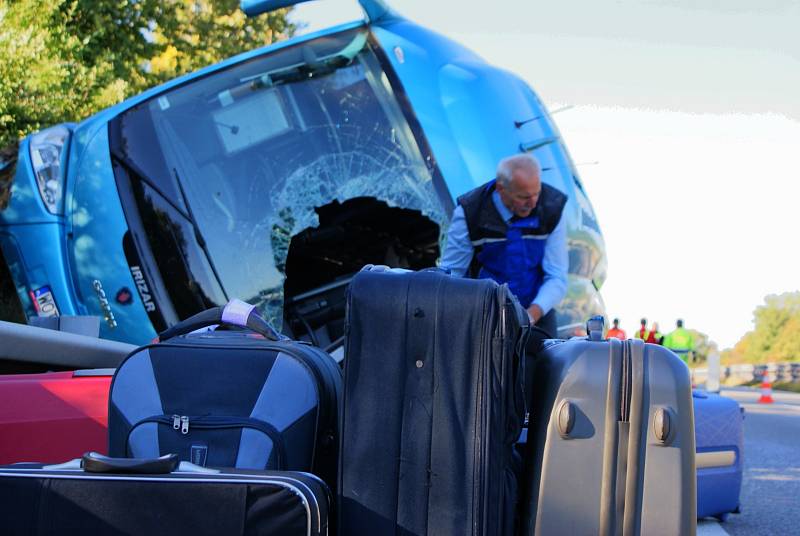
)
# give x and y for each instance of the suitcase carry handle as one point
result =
(94, 462)
(235, 313)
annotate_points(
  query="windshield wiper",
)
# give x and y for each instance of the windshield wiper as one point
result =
(141, 176)
(137, 172)
(197, 234)
(310, 67)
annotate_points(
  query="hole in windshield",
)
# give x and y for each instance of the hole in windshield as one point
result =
(322, 259)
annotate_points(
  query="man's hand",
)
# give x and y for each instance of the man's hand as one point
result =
(535, 313)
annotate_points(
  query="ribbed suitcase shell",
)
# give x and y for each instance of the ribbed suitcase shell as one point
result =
(58, 502)
(432, 406)
(250, 403)
(598, 465)
(719, 437)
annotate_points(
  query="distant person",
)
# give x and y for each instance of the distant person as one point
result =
(615, 332)
(641, 333)
(681, 342)
(654, 336)
(512, 230)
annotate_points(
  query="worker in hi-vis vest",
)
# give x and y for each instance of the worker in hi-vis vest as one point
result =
(680, 341)
(641, 333)
(616, 332)
(654, 336)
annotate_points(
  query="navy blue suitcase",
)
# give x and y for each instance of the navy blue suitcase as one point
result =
(115, 497)
(432, 406)
(719, 438)
(247, 399)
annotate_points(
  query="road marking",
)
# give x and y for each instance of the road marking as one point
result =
(708, 527)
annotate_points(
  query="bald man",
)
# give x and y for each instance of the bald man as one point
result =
(512, 230)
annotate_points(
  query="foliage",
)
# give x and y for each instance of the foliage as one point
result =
(61, 60)
(776, 336)
(786, 386)
(202, 32)
(703, 346)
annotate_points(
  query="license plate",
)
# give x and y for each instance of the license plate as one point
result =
(44, 302)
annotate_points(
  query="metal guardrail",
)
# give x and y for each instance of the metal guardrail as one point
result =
(776, 372)
(30, 344)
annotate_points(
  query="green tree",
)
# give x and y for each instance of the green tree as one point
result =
(202, 32)
(787, 344)
(62, 60)
(776, 335)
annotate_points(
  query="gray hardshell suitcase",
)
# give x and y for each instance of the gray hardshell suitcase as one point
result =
(611, 441)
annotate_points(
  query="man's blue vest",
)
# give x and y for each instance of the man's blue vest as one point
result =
(511, 252)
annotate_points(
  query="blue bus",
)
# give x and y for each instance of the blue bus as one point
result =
(272, 177)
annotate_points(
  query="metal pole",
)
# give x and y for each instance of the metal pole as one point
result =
(713, 376)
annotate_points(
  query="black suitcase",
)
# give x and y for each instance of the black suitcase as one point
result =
(66, 500)
(611, 440)
(432, 405)
(247, 399)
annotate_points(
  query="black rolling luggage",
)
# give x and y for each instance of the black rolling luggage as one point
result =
(248, 399)
(611, 440)
(67, 500)
(432, 406)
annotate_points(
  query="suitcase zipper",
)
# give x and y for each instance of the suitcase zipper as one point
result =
(207, 422)
(184, 425)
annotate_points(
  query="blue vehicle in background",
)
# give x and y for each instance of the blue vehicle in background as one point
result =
(273, 177)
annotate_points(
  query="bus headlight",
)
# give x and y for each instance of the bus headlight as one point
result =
(48, 157)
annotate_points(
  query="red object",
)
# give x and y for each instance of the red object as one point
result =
(766, 391)
(617, 334)
(651, 337)
(52, 417)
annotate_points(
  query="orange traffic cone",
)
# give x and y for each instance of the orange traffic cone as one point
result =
(766, 390)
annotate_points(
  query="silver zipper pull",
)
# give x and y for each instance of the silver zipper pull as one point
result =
(176, 422)
(184, 424)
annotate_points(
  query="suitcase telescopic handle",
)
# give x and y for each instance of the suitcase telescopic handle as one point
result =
(594, 328)
(235, 313)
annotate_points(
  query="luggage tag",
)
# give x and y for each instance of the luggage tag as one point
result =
(198, 454)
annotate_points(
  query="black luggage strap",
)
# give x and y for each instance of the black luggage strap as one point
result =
(419, 398)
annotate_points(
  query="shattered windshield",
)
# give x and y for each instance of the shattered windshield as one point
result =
(259, 146)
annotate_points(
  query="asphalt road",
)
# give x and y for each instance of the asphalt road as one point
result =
(771, 489)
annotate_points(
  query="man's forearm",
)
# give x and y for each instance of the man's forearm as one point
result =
(555, 265)
(535, 313)
(550, 295)
(458, 248)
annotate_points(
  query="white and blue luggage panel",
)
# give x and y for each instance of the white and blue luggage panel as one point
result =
(216, 406)
(228, 399)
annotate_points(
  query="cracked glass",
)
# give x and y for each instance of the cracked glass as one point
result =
(258, 147)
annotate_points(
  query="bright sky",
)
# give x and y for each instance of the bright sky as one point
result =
(691, 109)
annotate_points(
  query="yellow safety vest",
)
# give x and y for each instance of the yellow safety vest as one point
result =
(680, 341)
